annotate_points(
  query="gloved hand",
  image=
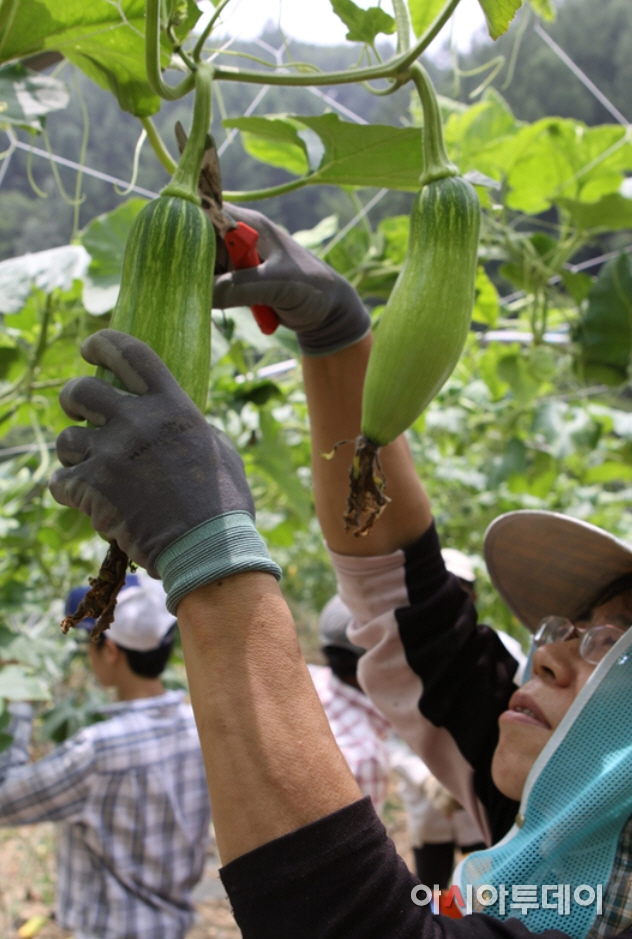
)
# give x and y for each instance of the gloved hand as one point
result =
(153, 474)
(309, 296)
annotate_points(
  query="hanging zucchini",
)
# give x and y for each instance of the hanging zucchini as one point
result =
(167, 283)
(421, 333)
(165, 299)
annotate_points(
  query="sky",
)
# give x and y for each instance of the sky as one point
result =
(314, 20)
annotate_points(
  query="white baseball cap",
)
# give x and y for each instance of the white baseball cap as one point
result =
(332, 626)
(141, 618)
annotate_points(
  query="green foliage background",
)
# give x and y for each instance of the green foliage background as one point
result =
(537, 413)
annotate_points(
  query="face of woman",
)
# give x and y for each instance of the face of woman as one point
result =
(536, 709)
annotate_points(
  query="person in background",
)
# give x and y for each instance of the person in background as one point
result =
(359, 728)
(129, 792)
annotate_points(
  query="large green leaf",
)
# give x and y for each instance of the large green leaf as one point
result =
(604, 334)
(274, 140)
(555, 158)
(539, 163)
(26, 98)
(363, 25)
(367, 154)
(472, 132)
(542, 162)
(273, 455)
(17, 684)
(499, 14)
(544, 8)
(105, 40)
(49, 270)
(353, 154)
(423, 12)
(105, 239)
(610, 213)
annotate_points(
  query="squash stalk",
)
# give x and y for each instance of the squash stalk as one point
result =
(184, 183)
(437, 164)
(425, 323)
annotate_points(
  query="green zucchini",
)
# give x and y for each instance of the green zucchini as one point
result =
(165, 299)
(167, 289)
(167, 281)
(421, 333)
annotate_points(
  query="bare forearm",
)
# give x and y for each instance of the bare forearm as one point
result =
(333, 385)
(271, 761)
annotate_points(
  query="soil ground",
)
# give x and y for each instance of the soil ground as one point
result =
(27, 880)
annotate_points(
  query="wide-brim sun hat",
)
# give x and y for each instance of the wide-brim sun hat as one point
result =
(548, 564)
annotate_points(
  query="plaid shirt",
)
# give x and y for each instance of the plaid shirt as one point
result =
(131, 795)
(617, 901)
(360, 731)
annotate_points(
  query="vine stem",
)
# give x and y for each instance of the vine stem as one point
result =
(199, 46)
(42, 344)
(185, 179)
(157, 144)
(280, 190)
(402, 25)
(152, 58)
(437, 164)
(82, 156)
(137, 149)
(392, 69)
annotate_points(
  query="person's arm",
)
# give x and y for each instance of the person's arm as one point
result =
(333, 385)
(20, 727)
(411, 616)
(438, 676)
(155, 476)
(334, 334)
(272, 762)
(52, 789)
(306, 856)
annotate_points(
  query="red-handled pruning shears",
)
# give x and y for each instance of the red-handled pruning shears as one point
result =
(240, 239)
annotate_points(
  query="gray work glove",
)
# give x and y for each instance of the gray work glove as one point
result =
(309, 296)
(153, 474)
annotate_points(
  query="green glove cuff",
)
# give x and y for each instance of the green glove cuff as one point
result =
(228, 544)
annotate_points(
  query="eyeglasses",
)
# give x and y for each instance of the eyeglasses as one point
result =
(595, 642)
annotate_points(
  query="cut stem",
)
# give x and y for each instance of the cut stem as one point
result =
(100, 601)
(367, 498)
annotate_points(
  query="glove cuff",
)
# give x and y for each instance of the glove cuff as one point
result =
(314, 348)
(225, 545)
(347, 323)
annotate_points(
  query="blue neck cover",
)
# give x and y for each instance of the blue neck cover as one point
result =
(576, 801)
